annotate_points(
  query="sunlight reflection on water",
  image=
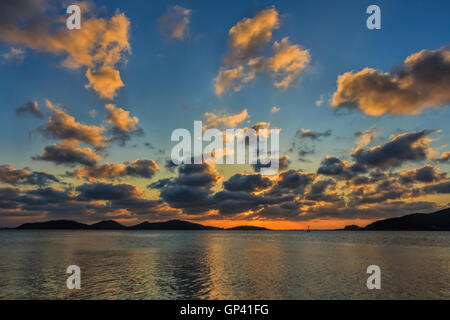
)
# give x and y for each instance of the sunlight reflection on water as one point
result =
(224, 264)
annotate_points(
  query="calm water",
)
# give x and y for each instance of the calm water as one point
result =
(224, 265)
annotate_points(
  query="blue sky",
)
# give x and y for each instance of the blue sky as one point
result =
(169, 83)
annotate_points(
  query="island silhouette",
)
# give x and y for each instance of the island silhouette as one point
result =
(437, 221)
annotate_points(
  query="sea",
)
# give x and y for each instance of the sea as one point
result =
(287, 265)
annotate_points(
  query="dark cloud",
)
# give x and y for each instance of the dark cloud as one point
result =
(191, 189)
(440, 188)
(191, 199)
(283, 164)
(85, 206)
(232, 203)
(309, 134)
(426, 174)
(67, 153)
(104, 191)
(323, 191)
(170, 165)
(121, 137)
(247, 183)
(402, 148)
(382, 210)
(292, 181)
(332, 166)
(141, 168)
(31, 107)
(12, 175)
(304, 151)
(145, 168)
(17, 176)
(41, 179)
(63, 126)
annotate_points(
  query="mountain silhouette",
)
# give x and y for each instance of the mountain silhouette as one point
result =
(248, 228)
(107, 225)
(113, 225)
(54, 225)
(171, 225)
(436, 221)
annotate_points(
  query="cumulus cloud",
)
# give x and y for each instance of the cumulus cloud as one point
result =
(287, 62)
(275, 109)
(246, 55)
(322, 190)
(426, 174)
(88, 202)
(98, 46)
(422, 82)
(105, 191)
(105, 81)
(332, 166)
(247, 182)
(63, 126)
(143, 168)
(248, 35)
(123, 125)
(12, 175)
(121, 118)
(41, 179)
(294, 180)
(31, 107)
(402, 148)
(25, 177)
(191, 189)
(175, 23)
(68, 153)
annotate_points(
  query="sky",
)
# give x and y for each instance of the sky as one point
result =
(87, 115)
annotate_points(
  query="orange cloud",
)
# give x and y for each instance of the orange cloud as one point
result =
(422, 82)
(99, 45)
(244, 58)
(105, 81)
(249, 34)
(121, 118)
(223, 120)
(68, 153)
(145, 168)
(63, 126)
(287, 62)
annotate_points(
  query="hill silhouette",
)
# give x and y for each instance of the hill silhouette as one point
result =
(436, 221)
(114, 225)
(55, 225)
(107, 225)
(248, 228)
(171, 225)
